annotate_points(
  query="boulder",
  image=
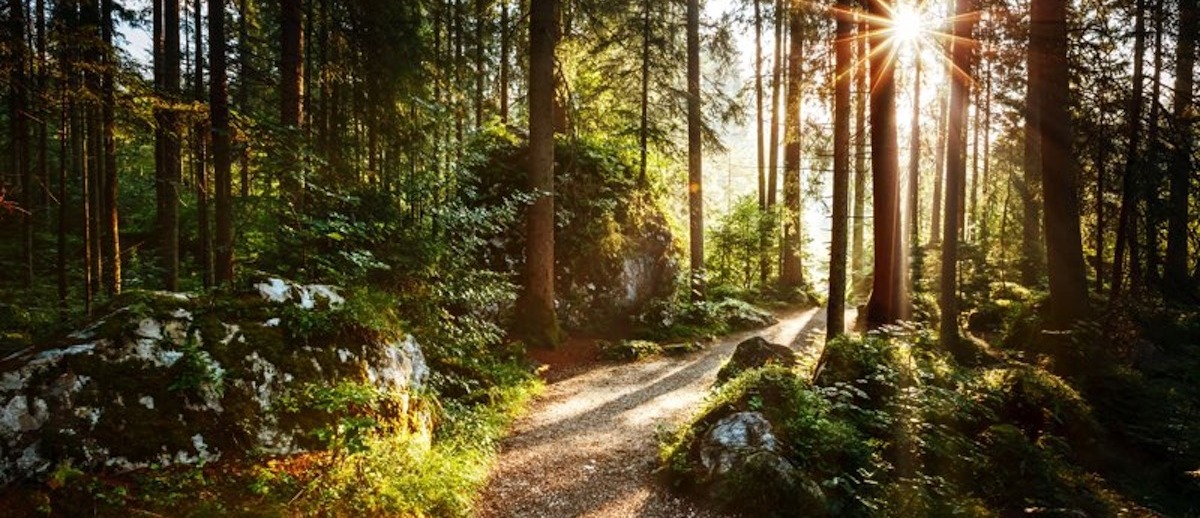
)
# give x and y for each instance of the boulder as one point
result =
(735, 438)
(173, 379)
(755, 353)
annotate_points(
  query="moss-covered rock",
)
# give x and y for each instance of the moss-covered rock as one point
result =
(175, 379)
(614, 248)
(755, 353)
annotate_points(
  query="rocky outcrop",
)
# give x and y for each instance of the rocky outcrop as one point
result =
(755, 353)
(173, 379)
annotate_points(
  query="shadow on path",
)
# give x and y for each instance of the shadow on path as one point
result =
(588, 447)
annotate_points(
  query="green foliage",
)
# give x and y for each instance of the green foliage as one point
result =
(739, 240)
(677, 318)
(892, 426)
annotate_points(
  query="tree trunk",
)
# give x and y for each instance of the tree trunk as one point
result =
(857, 254)
(791, 275)
(166, 138)
(644, 129)
(1126, 226)
(939, 173)
(843, 56)
(505, 43)
(776, 67)
(914, 172)
(480, 72)
(218, 89)
(695, 176)
(1153, 174)
(1064, 247)
(1176, 279)
(244, 87)
(885, 165)
(1032, 258)
(291, 93)
(536, 309)
(758, 112)
(956, 173)
(199, 139)
(112, 245)
(19, 132)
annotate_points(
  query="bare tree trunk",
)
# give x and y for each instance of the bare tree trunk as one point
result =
(538, 320)
(1176, 279)
(112, 245)
(914, 170)
(166, 138)
(219, 115)
(843, 57)
(480, 73)
(1153, 176)
(1126, 226)
(505, 43)
(695, 176)
(1064, 246)
(644, 130)
(776, 67)
(956, 173)
(857, 255)
(885, 164)
(199, 139)
(243, 92)
(939, 173)
(1032, 250)
(18, 136)
(791, 274)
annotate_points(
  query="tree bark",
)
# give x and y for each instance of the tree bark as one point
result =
(538, 321)
(505, 43)
(843, 56)
(1177, 282)
(939, 173)
(882, 307)
(218, 89)
(857, 254)
(1064, 246)
(1153, 174)
(1032, 251)
(166, 138)
(695, 175)
(112, 245)
(199, 141)
(291, 94)
(776, 67)
(791, 275)
(644, 129)
(914, 169)
(1126, 226)
(956, 172)
(19, 133)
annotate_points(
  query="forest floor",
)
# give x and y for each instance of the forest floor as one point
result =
(589, 445)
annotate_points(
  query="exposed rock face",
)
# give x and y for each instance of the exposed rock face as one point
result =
(167, 379)
(755, 353)
(735, 438)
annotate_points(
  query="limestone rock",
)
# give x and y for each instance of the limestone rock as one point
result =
(169, 379)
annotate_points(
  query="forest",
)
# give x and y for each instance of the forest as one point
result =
(605, 258)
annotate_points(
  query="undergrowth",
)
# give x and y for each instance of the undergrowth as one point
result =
(892, 426)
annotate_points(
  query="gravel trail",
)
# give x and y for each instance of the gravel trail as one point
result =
(587, 447)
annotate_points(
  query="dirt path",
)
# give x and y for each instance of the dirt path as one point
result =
(588, 447)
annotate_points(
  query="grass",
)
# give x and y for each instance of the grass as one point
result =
(397, 473)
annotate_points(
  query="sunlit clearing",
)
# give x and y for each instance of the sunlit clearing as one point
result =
(907, 24)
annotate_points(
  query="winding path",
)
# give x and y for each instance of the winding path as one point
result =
(588, 446)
